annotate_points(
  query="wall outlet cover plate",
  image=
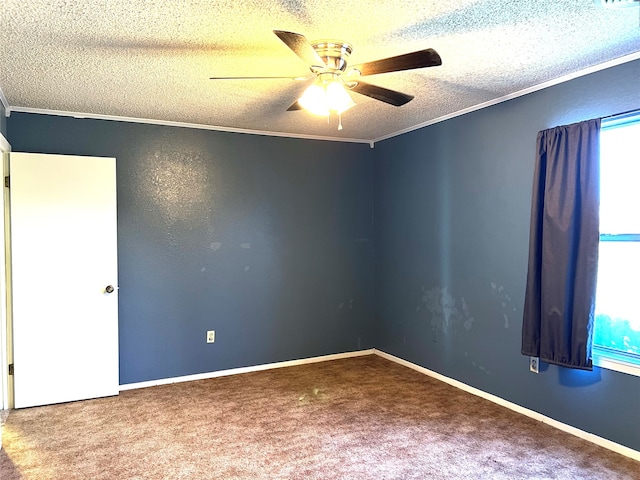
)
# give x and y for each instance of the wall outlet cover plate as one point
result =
(534, 363)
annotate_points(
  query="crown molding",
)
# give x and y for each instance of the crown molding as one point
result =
(199, 126)
(556, 81)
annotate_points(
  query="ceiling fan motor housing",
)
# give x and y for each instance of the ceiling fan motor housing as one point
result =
(334, 53)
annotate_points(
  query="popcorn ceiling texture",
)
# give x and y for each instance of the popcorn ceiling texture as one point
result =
(152, 59)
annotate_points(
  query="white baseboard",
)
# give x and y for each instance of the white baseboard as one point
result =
(603, 442)
(236, 371)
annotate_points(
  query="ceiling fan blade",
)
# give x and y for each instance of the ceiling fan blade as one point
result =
(301, 47)
(296, 106)
(383, 94)
(423, 58)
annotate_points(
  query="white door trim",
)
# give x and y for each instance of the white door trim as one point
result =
(5, 324)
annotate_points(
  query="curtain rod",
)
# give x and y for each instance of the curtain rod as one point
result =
(623, 114)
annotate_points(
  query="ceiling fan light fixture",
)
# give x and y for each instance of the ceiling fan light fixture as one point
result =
(322, 98)
(338, 98)
(314, 100)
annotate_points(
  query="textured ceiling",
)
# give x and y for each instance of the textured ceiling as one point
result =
(152, 59)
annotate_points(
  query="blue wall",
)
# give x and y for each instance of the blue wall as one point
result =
(452, 207)
(267, 241)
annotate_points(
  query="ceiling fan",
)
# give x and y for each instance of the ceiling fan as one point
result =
(327, 61)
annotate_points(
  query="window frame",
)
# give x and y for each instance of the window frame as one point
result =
(604, 357)
(611, 360)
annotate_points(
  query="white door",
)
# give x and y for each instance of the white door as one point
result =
(64, 266)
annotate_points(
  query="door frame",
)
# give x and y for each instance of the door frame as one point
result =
(6, 354)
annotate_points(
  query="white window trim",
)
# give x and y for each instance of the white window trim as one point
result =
(610, 363)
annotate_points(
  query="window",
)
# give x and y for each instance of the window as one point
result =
(616, 342)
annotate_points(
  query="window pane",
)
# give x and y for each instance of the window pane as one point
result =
(617, 297)
(619, 179)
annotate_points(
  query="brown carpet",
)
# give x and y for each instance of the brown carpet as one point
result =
(358, 418)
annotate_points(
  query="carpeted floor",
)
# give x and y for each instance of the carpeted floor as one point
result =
(358, 418)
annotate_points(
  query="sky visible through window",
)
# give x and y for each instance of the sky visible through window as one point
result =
(618, 293)
(620, 180)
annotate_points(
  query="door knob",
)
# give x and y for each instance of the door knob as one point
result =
(109, 289)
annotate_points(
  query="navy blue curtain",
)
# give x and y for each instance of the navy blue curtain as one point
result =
(563, 246)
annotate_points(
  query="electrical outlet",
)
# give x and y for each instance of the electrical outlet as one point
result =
(533, 364)
(211, 336)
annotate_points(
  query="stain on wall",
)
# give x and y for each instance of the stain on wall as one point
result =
(498, 292)
(446, 313)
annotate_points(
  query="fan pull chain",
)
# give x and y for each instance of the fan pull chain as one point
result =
(339, 121)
